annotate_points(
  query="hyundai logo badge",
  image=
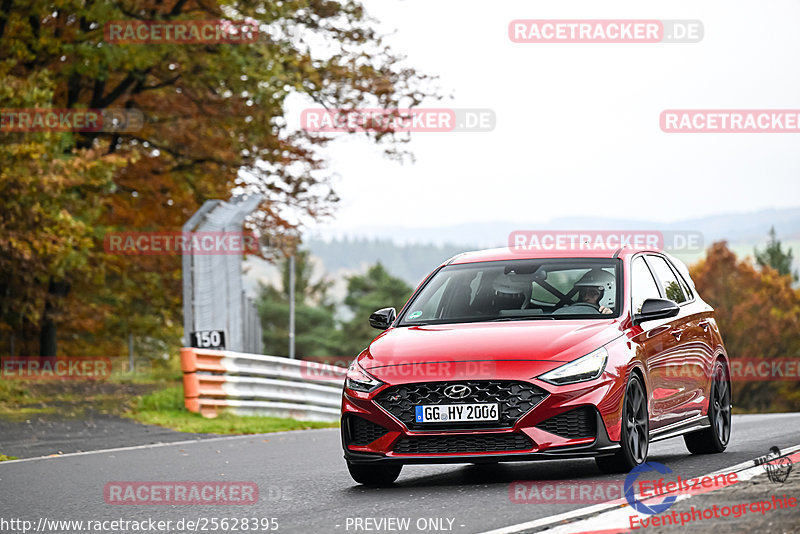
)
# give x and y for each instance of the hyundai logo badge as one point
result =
(457, 391)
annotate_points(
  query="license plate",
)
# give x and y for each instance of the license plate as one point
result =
(438, 413)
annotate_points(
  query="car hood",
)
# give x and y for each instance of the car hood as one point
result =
(548, 342)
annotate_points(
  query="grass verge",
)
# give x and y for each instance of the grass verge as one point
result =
(165, 408)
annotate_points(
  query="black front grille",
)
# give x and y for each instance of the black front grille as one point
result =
(515, 399)
(574, 424)
(363, 432)
(463, 444)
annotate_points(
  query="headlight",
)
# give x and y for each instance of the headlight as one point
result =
(584, 368)
(360, 380)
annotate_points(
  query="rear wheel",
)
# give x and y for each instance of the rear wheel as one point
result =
(715, 438)
(374, 475)
(635, 437)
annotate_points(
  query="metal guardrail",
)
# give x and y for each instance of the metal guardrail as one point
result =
(253, 384)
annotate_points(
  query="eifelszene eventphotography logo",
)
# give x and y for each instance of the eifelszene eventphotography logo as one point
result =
(630, 495)
(650, 490)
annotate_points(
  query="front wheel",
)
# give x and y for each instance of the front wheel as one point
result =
(635, 436)
(715, 438)
(374, 475)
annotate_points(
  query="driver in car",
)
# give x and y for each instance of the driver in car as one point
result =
(591, 288)
(592, 295)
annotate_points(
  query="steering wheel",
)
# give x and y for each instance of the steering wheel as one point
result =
(594, 307)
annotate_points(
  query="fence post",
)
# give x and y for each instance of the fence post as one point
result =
(191, 386)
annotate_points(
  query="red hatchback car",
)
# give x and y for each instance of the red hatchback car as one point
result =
(504, 357)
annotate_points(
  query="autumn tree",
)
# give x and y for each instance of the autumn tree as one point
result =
(758, 313)
(214, 124)
(51, 195)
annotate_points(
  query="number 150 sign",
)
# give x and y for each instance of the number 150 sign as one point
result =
(208, 339)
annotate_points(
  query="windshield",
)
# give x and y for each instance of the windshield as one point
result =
(518, 290)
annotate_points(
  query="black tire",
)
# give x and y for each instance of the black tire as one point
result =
(374, 474)
(715, 438)
(635, 437)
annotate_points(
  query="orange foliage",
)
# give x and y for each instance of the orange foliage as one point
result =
(758, 313)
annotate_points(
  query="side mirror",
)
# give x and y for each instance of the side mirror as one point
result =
(383, 318)
(656, 309)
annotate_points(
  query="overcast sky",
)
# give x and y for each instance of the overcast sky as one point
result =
(578, 124)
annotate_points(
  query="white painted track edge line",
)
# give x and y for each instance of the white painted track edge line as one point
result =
(166, 444)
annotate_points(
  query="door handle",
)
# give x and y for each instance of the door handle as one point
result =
(677, 333)
(704, 325)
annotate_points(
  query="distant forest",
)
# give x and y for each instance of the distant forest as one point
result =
(411, 262)
(408, 262)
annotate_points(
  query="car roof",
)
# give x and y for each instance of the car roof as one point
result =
(509, 253)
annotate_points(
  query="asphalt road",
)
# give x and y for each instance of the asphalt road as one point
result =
(304, 484)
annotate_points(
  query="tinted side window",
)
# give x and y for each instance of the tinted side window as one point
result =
(669, 282)
(684, 278)
(685, 286)
(643, 286)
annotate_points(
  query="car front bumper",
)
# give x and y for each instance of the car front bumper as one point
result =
(542, 433)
